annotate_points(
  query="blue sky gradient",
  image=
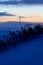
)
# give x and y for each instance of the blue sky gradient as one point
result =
(26, 8)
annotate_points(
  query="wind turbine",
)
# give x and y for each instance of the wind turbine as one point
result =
(20, 19)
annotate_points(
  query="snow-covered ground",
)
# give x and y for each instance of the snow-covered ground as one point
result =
(30, 53)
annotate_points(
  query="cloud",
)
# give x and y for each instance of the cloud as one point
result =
(4, 0)
(6, 14)
(7, 2)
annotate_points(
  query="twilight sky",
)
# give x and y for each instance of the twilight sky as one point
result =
(11, 9)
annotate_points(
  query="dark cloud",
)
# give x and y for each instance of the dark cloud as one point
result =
(32, 1)
(6, 14)
(21, 1)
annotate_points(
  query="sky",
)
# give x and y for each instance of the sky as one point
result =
(29, 10)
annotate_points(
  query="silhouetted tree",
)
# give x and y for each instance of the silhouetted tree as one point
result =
(16, 37)
(24, 33)
(2, 45)
(38, 29)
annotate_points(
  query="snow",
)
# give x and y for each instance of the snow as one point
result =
(30, 53)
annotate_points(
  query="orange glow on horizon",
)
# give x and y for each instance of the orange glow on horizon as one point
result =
(8, 18)
(14, 18)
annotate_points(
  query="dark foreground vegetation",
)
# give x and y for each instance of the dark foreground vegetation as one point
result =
(17, 37)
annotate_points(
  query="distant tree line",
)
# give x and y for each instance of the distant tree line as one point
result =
(17, 37)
